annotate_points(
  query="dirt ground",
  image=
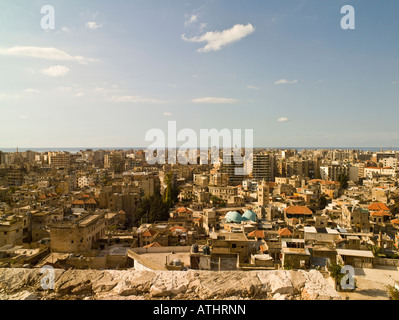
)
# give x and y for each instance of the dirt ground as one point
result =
(372, 283)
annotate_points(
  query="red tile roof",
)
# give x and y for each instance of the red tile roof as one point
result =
(148, 233)
(380, 213)
(178, 228)
(183, 210)
(377, 206)
(257, 234)
(285, 232)
(298, 210)
(90, 201)
(396, 221)
(153, 245)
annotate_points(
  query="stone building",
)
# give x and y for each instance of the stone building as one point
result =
(78, 235)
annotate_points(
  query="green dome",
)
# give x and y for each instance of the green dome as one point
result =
(233, 216)
(249, 215)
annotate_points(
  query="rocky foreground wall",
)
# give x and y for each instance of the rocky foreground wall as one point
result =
(25, 284)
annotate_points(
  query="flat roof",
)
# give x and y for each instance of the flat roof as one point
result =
(355, 253)
(88, 220)
(230, 236)
(298, 251)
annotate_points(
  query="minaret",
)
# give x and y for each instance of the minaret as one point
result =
(263, 194)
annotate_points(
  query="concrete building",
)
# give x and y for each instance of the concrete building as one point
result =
(59, 160)
(263, 167)
(356, 217)
(332, 172)
(78, 235)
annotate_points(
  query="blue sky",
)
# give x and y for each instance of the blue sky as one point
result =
(110, 71)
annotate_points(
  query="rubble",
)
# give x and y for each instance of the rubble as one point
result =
(24, 284)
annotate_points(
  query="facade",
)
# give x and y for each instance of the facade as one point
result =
(263, 167)
(59, 160)
(78, 235)
(332, 172)
(14, 229)
(356, 217)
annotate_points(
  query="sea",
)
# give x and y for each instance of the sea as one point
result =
(79, 149)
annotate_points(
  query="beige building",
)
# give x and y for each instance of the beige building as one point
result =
(356, 217)
(78, 235)
(14, 229)
(223, 192)
(59, 160)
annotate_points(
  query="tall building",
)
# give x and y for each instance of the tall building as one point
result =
(233, 176)
(332, 172)
(263, 194)
(115, 162)
(59, 160)
(263, 167)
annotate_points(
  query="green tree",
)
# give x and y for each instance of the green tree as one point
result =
(376, 250)
(171, 192)
(322, 202)
(343, 181)
(335, 272)
(393, 293)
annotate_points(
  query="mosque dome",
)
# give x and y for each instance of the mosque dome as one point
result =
(249, 215)
(233, 216)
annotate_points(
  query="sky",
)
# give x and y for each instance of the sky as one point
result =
(110, 71)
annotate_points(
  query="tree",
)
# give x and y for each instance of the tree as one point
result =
(171, 192)
(335, 272)
(393, 293)
(322, 202)
(343, 181)
(376, 250)
(156, 207)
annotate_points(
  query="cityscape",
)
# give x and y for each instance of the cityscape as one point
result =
(110, 210)
(175, 151)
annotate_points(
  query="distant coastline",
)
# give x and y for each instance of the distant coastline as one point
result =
(76, 150)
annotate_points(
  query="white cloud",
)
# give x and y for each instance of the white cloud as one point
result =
(93, 25)
(253, 87)
(134, 99)
(193, 18)
(214, 100)
(217, 40)
(56, 71)
(79, 94)
(23, 117)
(43, 53)
(66, 29)
(167, 114)
(285, 81)
(31, 90)
(283, 119)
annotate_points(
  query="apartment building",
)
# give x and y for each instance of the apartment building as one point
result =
(78, 235)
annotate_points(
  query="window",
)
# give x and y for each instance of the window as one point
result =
(234, 246)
